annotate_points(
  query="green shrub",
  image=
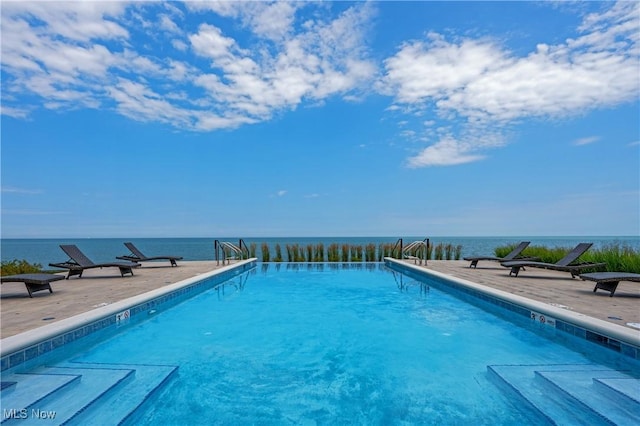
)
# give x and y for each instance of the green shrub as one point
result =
(345, 252)
(448, 250)
(297, 253)
(356, 253)
(370, 252)
(618, 258)
(278, 257)
(429, 250)
(458, 252)
(16, 266)
(265, 252)
(333, 253)
(385, 250)
(439, 251)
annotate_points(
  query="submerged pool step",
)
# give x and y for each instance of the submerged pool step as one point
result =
(81, 393)
(627, 389)
(582, 386)
(65, 402)
(29, 391)
(120, 405)
(567, 394)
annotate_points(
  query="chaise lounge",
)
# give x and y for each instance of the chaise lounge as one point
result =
(609, 281)
(566, 264)
(78, 262)
(137, 256)
(513, 255)
(33, 282)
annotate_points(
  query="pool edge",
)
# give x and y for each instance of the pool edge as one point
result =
(597, 327)
(25, 346)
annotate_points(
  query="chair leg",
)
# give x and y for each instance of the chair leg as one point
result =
(609, 286)
(125, 270)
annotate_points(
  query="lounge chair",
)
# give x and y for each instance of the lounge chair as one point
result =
(566, 264)
(137, 256)
(513, 255)
(609, 280)
(78, 262)
(33, 282)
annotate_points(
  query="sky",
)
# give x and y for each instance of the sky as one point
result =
(272, 119)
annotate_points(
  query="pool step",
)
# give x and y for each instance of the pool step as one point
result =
(124, 403)
(71, 393)
(573, 393)
(31, 390)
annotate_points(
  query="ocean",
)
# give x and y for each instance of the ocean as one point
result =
(45, 251)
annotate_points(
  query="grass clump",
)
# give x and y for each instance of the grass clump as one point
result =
(370, 252)
(345, 253)
(385, 250)
(278, 257)
(333, 253)
(318, 253)
(15, 266)
(265, 252)
(356, 253)
(619, 258)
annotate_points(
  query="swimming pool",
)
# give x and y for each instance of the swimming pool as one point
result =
(326, 344)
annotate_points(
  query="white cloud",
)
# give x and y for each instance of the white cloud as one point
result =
(479, 79)
(449, 150)
(21, 113)
(167, 24)
(481, 82)
(178, 64)
(446, 152)
(97, 54)
(269, 19)
(76, 21)
(14, 190)
(586, 141)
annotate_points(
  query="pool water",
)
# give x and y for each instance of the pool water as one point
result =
(319, 344)
(323, 344)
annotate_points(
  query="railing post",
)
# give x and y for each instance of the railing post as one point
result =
(426, 252)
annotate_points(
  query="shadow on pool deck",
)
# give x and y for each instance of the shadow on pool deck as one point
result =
(97, 287)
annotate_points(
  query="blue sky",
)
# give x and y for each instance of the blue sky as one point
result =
(250, 119)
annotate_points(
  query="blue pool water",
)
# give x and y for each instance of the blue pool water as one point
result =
(331, 344)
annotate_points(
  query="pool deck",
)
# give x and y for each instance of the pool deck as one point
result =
(97, 287)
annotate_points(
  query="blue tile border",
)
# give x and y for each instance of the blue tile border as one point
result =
(563, 325)
(44, 347)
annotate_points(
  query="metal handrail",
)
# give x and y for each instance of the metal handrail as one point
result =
(244, 249)
(393, 250)
(416, 246)
(226, 246)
